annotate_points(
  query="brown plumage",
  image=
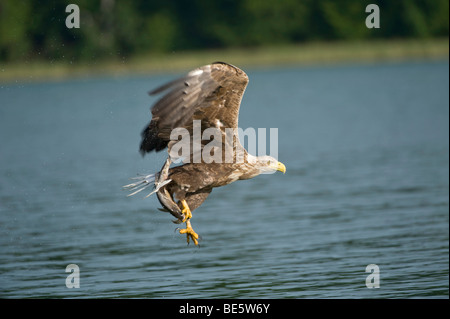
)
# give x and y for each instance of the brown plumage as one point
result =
(212, 96)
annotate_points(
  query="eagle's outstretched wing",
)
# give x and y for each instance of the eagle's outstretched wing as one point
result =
(211, 94)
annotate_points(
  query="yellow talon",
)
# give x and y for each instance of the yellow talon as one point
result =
(190, 233)
(186, 211)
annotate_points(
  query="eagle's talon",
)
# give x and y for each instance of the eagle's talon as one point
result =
(186, 217)
(190, 233)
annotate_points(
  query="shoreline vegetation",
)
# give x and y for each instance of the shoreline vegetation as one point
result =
(307, 54)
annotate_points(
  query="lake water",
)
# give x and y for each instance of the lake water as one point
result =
(367, 154)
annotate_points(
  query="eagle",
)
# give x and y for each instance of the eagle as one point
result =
(207, 98)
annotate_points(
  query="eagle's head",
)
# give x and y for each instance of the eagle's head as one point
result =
(268, 165)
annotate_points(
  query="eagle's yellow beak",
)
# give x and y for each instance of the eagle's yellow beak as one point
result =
(281, 167)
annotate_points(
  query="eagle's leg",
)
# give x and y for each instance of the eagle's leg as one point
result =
(189, 231)
(186, 211)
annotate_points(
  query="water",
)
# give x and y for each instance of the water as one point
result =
(367, 154)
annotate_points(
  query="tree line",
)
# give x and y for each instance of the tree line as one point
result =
(120, 28)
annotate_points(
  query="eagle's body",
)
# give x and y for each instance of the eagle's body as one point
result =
(210, 95)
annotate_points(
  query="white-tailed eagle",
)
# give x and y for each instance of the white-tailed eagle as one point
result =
(211, 96)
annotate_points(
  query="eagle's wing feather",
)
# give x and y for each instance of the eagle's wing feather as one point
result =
(211, 93)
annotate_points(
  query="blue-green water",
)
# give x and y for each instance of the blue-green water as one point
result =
(367, 154)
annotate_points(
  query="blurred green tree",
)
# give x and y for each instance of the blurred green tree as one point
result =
(116, 29)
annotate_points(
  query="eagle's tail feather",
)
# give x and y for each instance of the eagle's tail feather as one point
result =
(143, 182)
